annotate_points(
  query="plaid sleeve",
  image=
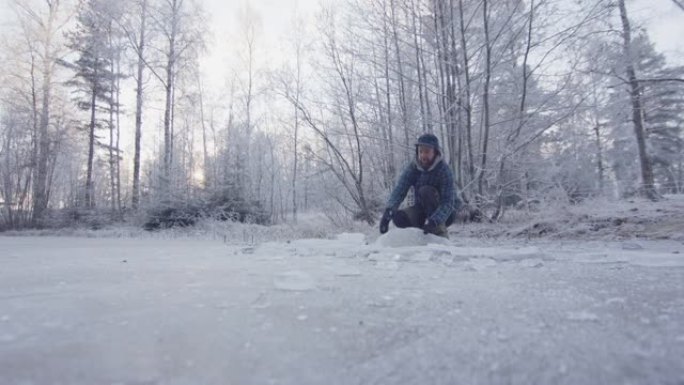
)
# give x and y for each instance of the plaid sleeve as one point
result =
(446, 197)
(405, 182)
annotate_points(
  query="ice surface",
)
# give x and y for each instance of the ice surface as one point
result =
(294, 280)
(402, 309)
(480, 263)
(532, 262)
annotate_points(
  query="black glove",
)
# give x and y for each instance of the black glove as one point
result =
(430, 227)
(384, 222)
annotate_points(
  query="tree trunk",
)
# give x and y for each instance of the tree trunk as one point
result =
(118, 132)
(112, 97)
(400, 74)
(439, 61)
(170, 78)
(7, 194)
(89, 198)
(419, 70)
(273, 173)
(35, 133)
(391, 166)
(454, 98)
(205, 151)
(40, 199)
(648, 185)
(296, 138)
(138, 107)
(467, 103)
(485, 100)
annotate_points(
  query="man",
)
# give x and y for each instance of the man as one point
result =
(433, 186)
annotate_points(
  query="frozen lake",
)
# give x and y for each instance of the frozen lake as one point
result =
(152, 311)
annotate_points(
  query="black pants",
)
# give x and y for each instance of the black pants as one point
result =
(427, 201)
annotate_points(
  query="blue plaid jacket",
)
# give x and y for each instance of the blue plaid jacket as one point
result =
(438, 176)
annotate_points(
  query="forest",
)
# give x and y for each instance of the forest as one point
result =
(110, 113)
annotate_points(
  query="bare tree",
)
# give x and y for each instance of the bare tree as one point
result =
(206, 162)
(637, 113)
(115, 47)
(298, 52)
(179, 25)
(250, 23)
(343, 148)
(16, 151)
(41, 25)
(171, 30)
(138, 42)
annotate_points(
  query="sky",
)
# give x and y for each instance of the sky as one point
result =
(274, 16)
(662, 19)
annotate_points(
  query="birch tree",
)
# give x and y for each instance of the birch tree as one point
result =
(42, 22)
(135, 27)
(178, 23)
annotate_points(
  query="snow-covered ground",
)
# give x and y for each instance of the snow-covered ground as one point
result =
(404, 308)
(595, 219)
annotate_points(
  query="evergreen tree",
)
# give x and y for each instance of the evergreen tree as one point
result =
(662, 106)
(664, 120)
(93, 75)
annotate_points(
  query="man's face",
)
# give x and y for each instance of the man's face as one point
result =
(426, 155)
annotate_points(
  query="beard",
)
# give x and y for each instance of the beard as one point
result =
(426, 162)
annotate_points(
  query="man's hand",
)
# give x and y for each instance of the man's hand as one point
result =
(430, 227)
(384, 222)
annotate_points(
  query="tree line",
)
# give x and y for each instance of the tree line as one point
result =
(532, 100)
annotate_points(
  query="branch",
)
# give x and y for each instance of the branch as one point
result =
(132, 40)
(660, 80)
(679, 3)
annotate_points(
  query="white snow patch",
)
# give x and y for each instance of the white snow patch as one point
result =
(294, 281)
(382, 302)
(347, 272)
(532, 262)
(478, 264)
(388, 265)
(656, 260)
(409, 237)
(352, 238)
(583, 316)
(616, 300)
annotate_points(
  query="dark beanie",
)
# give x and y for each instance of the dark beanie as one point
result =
(428, 140)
